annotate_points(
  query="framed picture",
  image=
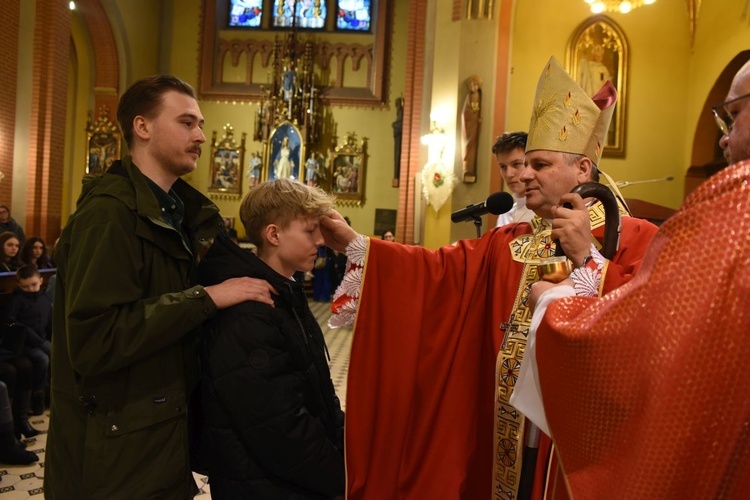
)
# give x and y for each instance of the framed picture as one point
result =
(283, 153)
(597, 52)
(348, 171)
(227, 158)
(103, 143)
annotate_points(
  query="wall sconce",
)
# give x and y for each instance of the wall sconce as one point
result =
(435, 142)
(438, 178)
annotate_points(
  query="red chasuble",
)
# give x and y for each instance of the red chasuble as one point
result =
(421, 387)
(647, 391)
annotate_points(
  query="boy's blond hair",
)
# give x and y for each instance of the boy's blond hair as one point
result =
(280, 201)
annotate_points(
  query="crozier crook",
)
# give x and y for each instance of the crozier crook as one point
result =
(558, 267)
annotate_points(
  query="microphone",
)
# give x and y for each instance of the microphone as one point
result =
(496, 204)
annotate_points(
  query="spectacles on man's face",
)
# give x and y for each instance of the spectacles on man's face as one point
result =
(725, 124)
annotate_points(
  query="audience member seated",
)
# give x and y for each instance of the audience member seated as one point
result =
(8, 223)
(9, 245)
(34, 252)
(31, 310)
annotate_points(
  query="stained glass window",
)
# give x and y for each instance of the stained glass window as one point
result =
(309, 14)
(353, 15)
(245, 13)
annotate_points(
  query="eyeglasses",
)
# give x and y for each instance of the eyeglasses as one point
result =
(725, 124)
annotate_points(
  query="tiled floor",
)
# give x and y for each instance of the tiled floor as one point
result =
(19, 482)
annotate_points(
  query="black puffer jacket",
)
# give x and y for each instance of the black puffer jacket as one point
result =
(273, 423)
(33, 311)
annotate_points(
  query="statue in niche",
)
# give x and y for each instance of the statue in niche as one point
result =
(288, 84)
(284, 166)
(471, 119)
(255, 168)
(398, 127)
(314, 173)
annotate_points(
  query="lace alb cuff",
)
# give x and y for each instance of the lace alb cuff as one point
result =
(588, 278)
(346, 297)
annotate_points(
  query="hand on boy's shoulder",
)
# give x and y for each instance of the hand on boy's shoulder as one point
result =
(237, 290)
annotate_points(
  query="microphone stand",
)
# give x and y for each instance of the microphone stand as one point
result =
(622, 184)
(478, 225)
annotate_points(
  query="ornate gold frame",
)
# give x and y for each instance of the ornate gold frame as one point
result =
(103, 143)
(348, 171)
(285, 130)
(227, 159)
(601, 32)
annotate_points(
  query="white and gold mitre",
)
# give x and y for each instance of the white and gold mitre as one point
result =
(566, 119)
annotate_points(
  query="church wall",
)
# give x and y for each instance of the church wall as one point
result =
(721, 33)
(137, 26)
(658, 74)
(373, 123)
(461, 48)
(80, 103)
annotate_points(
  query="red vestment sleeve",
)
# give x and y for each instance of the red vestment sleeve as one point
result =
(426, 337)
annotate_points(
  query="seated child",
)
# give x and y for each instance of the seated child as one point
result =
(31, 309)
(273, 422)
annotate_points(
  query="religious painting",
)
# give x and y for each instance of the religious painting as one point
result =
(284, 150)
(103, 143)
(348, 164)
(597, 52)
(227, 158)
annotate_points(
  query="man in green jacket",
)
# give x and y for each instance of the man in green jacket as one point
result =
(127, 309)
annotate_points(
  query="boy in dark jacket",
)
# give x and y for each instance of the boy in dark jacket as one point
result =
(274, 426)
(31, 309)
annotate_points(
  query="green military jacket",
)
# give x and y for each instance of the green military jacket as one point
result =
(124, 341)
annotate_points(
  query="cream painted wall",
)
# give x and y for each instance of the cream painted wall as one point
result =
(721, 34)
(136, 24)
(80, 103)
(375, 124)
(23, 111)
(141, 22)
(657, 93)
(461, 49)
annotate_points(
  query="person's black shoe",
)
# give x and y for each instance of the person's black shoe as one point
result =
(25, 428)
(13, 452)
(18, 455)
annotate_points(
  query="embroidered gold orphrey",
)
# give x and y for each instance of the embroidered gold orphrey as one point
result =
(509, 422)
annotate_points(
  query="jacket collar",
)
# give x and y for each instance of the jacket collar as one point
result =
(228, 260)
(140, 198)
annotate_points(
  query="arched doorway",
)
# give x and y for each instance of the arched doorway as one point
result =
(707, 157)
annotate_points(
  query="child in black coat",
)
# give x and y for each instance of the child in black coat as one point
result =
(274, 426)
(31, 309)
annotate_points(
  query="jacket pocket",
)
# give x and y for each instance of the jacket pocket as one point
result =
(145, 413)
(141, 438)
